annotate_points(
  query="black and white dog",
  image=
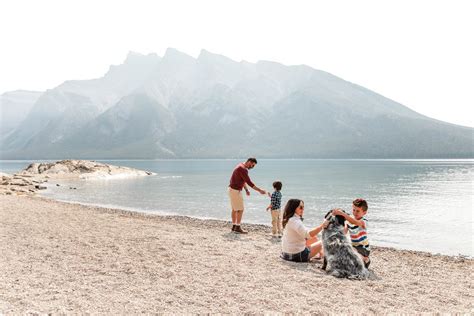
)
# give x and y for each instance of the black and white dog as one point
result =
(340, 258)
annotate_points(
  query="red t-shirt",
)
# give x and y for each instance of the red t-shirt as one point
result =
(239, 177)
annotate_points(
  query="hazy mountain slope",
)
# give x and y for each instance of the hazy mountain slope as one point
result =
(314, 127)
(137, 122)
(14, 107)
(59, 112)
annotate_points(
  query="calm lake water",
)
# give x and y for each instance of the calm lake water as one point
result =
(413, 204)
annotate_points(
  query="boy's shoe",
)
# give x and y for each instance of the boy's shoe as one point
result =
(239, 230)
(233, 228)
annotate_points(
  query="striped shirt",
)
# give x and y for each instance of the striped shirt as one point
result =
(276, 200)
(358, 234)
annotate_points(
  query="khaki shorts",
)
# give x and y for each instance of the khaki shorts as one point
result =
(236, 199)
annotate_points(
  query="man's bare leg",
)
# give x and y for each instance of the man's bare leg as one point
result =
(234, 217)
(238, 217)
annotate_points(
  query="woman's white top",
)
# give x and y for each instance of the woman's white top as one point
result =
(294, 236)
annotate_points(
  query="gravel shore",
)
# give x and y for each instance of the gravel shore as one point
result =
(68, 258)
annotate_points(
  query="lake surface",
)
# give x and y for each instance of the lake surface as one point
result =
(413, 204)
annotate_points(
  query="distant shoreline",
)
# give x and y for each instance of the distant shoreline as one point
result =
(220, 159)
(266, 228)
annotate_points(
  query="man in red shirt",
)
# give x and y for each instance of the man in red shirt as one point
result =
(238, 181)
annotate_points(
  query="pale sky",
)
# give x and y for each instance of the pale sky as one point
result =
(416, 52)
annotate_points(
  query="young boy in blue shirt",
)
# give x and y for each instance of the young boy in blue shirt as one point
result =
(275, 208)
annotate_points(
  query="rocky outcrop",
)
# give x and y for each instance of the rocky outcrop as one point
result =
(32, 178)
(84, 169)
(20, 184)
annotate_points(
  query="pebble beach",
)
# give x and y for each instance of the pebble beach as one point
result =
(68, 258)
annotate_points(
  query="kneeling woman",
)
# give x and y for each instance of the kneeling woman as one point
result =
(298, 243)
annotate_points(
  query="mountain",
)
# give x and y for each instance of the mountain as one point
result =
(211, 106)
(14, 106)
(60, 112)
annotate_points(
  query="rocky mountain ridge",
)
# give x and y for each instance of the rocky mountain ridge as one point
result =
(178, 106)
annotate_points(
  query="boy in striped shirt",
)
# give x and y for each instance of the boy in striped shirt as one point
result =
(357, 227)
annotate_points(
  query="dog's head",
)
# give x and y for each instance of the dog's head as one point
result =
(334, 221)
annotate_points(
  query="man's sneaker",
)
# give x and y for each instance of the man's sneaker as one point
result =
(239, 230)
(233, 228)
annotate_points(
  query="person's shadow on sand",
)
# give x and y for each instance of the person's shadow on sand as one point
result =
(316, 264)
(274, 240)
(235, 237)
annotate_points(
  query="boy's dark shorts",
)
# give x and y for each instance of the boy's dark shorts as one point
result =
(362, 250)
